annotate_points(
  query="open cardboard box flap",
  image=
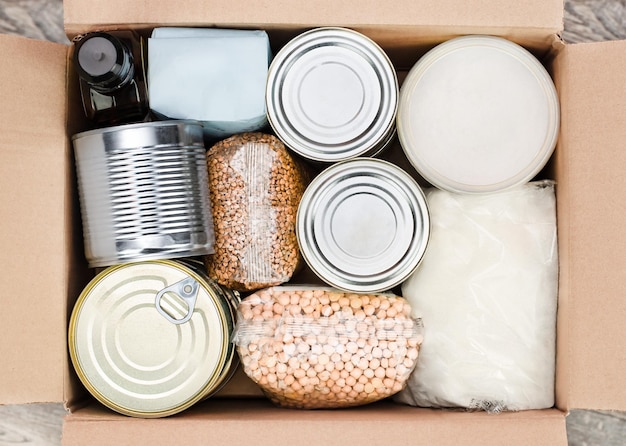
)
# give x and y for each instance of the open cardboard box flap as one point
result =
(259, 423)
(35, 179)
(591, 192)
(545, 17)
(42, 261)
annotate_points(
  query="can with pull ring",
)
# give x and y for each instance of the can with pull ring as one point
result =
(151, 339)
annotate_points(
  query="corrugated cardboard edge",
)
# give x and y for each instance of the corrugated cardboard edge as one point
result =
(261, 424)
(560, 76)
(406, 24)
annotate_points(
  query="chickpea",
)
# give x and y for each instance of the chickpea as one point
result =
(359, 352)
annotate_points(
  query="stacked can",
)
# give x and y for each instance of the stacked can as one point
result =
(151, 334)
(332, 97)
(150, 339)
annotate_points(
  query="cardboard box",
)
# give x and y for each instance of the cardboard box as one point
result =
(43, 268)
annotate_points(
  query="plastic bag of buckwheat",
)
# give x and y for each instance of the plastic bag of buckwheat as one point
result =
(255, 186)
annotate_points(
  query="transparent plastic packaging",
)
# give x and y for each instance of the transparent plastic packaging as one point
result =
(255, 186)
(487, 288)
(316, 348)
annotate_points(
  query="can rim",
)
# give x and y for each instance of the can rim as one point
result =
(382, 281)
(214, 382)
(382, 126)
(171, 254)
(138, 125)
(510, 48)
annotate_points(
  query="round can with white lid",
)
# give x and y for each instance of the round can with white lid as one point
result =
(150, 339)
(363, 225)
(478, 114)
(332, 95)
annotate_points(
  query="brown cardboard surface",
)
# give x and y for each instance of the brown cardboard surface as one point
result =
(258, 422)
(527, 14)
(592, 348)
(34, 179)
(450, 16)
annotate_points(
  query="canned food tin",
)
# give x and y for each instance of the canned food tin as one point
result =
(150, 339)
(478, 114)
(363, 225)
(332, 94)
(143, 192)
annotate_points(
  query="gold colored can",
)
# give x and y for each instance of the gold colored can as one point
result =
(151, 339)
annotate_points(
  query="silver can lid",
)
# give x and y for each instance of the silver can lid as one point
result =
(150, 339)
(332, 94)
(363, 225)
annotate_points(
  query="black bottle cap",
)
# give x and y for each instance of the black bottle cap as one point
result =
(103, 61)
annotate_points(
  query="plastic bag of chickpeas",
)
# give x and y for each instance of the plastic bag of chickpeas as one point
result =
(319, 348)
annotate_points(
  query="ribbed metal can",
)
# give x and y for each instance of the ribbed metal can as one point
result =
(150, 339)
(143, 192)
(332, 95)
(363, 225)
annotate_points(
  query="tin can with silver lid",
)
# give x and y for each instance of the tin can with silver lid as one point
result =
(150, 339)
(143, 192)
(332, 95)
(363, 225)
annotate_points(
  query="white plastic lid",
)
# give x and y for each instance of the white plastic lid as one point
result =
(478, 114)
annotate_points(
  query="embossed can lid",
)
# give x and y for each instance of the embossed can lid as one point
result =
(332, 94)
(363, 225)
(150, 339)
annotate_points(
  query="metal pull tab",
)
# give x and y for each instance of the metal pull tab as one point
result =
(187, 290)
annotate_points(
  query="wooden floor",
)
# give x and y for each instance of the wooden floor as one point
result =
(40, 424)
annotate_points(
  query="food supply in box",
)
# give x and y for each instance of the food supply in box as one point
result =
(112, 79)
(363, 225)
(589, 78)
(332, 95)
(143, 192)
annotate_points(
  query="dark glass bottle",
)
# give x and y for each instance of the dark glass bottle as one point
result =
(112, 78)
